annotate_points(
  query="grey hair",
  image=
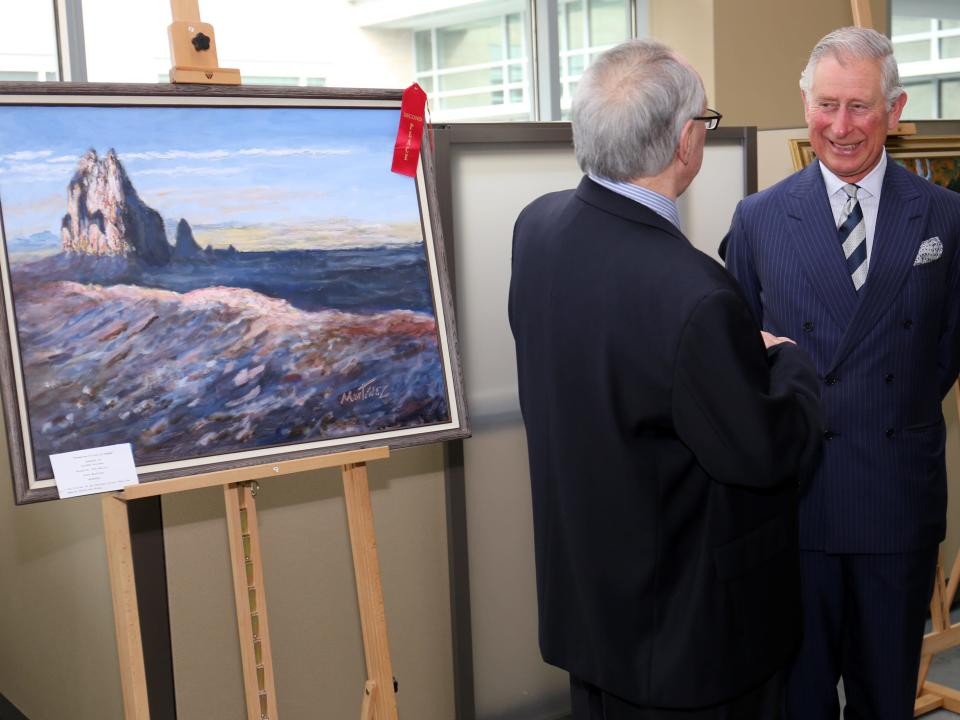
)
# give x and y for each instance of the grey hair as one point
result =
(630, 107)
(853, 43)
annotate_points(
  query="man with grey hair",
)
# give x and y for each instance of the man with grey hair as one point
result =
(664, 438)
(857, 258)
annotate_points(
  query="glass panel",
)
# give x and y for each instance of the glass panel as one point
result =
(480, 41)
(268, 80)
(473, 100)
(950, 47)
(423, 47)
(515, 44)
(469, 79)
(609, 22)
(904, 25)
(28, 41)
(912, 51)
(950, 99)
(949, 24)
(573, 17)
(920, 101)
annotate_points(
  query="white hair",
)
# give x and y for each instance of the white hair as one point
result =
(853, 43)
(630, 107)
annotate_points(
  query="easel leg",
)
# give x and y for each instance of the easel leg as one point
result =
(133, 677)
(366, 567)
(256, 658)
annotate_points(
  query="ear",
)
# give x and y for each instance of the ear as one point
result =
(806, 107)
(685, 146)
(894, 117)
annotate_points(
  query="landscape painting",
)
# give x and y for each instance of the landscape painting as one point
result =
(217, 285)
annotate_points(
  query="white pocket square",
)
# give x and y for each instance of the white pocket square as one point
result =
(929, 251)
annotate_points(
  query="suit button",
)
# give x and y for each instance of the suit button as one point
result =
(908, 324)
(888, 378)
(890, 433)
(831, 379)
(807, 326)
(829, 434)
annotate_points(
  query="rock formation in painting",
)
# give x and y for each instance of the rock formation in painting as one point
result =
(106, 218)
(186, 246)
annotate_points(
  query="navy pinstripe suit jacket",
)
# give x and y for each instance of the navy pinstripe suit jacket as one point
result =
(886, 356)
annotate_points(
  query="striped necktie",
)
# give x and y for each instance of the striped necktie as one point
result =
(853, 237)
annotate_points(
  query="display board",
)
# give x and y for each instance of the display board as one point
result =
(486, 173)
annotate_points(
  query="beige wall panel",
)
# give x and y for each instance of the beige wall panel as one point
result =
(761, 48)
(688, 27)
(59, 657)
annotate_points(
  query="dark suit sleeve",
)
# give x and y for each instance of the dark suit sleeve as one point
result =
(738, 257)
(750, 418)
(948, 361)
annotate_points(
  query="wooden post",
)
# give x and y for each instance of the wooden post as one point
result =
(366, 567)
(243, 532)
(862, 16)
(126, 619)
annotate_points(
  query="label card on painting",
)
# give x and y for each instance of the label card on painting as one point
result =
(94, 470)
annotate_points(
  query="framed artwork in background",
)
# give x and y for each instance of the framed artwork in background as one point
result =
(934, 157)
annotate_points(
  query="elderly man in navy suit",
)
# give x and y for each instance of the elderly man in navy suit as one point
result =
(857, 258)
(664, 440)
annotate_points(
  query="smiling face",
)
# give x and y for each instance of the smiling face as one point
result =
(847, 115)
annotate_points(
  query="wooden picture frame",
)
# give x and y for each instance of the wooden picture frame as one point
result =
(221, 276)
(936, 157)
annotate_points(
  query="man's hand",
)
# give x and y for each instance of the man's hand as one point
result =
(770, 340)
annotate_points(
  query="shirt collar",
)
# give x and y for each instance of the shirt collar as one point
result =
(660, 204)
(871, 182)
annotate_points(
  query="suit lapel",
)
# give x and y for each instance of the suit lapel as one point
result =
(818, 245)
(895, 241)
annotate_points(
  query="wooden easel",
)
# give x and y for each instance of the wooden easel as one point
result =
(193, 48)
(378, 700)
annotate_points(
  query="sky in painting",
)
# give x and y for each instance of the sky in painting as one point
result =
(242, 166)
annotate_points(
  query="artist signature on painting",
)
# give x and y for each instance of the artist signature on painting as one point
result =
(369, 389)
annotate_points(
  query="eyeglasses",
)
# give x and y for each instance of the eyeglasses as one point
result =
(712, 120)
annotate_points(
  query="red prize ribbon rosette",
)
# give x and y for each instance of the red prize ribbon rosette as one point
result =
(406, 153)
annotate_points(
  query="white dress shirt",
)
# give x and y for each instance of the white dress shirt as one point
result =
(868, 196)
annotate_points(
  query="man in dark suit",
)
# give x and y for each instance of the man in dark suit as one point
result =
(664, 439)
(857, 258)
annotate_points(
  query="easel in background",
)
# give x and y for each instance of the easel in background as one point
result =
(193, 48)
(379, 701)
(194, 57)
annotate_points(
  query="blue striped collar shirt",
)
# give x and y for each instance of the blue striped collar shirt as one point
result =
(660, 204)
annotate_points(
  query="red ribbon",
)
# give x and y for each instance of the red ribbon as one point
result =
(406, 153)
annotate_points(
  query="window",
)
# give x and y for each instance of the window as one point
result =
(587, 28)
(476, 59)
(928, 54)
(28, 42)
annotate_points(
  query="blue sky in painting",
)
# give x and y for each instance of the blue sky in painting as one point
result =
(209, 165)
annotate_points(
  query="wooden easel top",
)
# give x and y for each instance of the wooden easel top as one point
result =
(251, 472)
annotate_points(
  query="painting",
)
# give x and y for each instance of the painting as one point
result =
(219, 280)
(936, 158)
